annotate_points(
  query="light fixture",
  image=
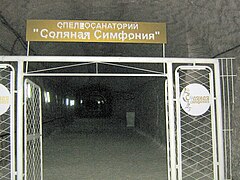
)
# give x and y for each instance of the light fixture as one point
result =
(72, 102)
(67, 102)
(29, 91)
(48, 97)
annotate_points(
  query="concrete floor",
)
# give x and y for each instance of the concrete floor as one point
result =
(110, 154)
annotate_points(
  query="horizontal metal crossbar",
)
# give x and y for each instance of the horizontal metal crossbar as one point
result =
(101, 59)
(131, 67)
(89, 63)
(59, 67)
(95, 74)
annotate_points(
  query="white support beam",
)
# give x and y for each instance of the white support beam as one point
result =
(20, 124)
(93, 74)
(98, 59)
(171, 121)
(219, 121)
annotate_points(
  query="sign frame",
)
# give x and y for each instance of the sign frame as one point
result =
(96, 31)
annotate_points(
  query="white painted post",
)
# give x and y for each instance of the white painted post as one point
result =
(171, 121)
(28, 48)
(219, 120)
(12, 124)
(167, 130)
(178, 124)
(20, 121)
(163, 50)
(41, 134)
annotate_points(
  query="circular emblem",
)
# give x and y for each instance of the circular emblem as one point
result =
(4, 99)
(195, 99)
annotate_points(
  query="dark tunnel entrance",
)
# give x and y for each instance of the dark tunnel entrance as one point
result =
(94, 101)
(104, 131)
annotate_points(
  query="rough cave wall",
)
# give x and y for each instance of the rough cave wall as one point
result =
(235, 115)
(150, 110)
(55, 114)
(214, 31)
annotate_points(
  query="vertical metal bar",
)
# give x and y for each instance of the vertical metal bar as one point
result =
(227, 129)
(20, 121)
(164, 55)
(40, 108)
(233, 94)
(28, 52)
(167, 130)
(163, 50)
(219, 120)
(12, 123)
(33, 133)
(221, 62)
(171, 120)
(96, 68)
(213, 124)
(229, 111)
(28, 48)
(178, 119)
(233, 106)
(26, 69)
(25, 129)
(164, 68)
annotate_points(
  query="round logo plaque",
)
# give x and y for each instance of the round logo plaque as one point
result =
(195, 99)
(5, 99)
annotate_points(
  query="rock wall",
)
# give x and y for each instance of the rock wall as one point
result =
(150, 110)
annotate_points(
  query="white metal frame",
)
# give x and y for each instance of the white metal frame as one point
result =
(12, 119)
(212, 115)
(228, 98)
(167, 131)
(168, 74)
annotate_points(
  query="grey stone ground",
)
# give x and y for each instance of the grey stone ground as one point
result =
(110, 154)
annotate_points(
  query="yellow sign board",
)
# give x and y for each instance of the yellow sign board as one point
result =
(95, 31)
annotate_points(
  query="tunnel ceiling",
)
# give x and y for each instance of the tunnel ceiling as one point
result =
(194, 28)
(16, 12)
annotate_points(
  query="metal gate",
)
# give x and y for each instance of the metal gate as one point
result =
(195, 122)
(7, 123)
(193, 109)
(32, 132)
(199, 103)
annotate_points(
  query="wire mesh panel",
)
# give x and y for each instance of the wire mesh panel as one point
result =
(7, 144)
(33, 131)
(196, 129)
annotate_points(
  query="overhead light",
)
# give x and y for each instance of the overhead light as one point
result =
(72, 102)
(47, 97)
(67, 102)
(29, 91)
